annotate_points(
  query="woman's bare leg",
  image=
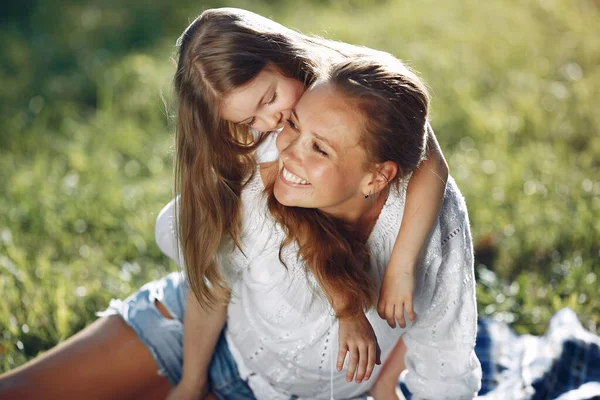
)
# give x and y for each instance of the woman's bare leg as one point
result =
(104, 361)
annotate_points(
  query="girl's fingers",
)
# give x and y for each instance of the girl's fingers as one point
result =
(377, 354)
(381, 308)
(389, 316)
(371, 360)
(409, 309)
(400, 315)
(363, 354)
(341, 357)
(352, 363)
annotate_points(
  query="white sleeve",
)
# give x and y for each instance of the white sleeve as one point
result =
(440, 358)
(165, 233)
(267, 151)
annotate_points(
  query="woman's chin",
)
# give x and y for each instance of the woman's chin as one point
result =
(281, 195)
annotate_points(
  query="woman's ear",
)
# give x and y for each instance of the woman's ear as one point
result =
(384, 174)
(381, 177)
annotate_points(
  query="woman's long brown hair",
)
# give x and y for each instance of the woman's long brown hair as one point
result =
(394, 104)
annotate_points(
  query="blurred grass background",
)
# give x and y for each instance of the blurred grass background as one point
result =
(86, 145)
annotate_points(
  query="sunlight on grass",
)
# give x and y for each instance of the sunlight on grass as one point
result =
(86, 147)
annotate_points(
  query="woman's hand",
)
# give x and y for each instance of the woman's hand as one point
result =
(357, 337)
(396, 295)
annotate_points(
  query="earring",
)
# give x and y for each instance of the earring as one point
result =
(367, 195)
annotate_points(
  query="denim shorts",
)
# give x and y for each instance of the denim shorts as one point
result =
(164, 336)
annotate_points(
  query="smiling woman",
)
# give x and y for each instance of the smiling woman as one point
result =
(236, 69)
(278, 342)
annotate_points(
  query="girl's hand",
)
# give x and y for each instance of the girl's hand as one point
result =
(378, 392)
(357, 337)
(396, 296)
(188, 391)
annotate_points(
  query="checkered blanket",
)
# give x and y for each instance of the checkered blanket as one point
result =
(563, 364)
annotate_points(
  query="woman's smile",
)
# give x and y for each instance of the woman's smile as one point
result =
(292, 179)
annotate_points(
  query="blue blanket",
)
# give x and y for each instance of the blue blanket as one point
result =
(563, 364)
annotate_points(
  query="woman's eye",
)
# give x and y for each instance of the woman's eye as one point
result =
(252, 121)
(318, 149)
(292, 125)
(272, 99)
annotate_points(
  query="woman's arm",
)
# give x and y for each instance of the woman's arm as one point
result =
(440, 358)
(423, 200)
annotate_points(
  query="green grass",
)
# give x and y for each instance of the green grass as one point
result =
(86, 147)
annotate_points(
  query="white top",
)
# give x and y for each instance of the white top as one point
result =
(281, 330)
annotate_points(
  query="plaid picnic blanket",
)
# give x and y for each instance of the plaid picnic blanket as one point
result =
(563, 364)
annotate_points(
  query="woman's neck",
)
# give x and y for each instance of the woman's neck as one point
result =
(368, 219)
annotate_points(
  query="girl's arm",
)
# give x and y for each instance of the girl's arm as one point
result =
(424, 197)
(201, 327)
(201, 330)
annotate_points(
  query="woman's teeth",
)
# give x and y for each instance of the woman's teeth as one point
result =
(293, 178)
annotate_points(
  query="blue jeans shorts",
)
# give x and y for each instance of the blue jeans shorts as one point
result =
(164, 336)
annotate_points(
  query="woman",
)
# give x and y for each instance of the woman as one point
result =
(226, 178)
(278, 332)
(236, 69)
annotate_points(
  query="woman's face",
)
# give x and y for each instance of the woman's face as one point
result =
(264, 103)
(321, 161)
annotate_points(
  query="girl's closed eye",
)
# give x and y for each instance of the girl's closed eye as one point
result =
(319, 150)
(272, 99)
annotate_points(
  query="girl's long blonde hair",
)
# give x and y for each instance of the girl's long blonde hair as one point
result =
(220, 51)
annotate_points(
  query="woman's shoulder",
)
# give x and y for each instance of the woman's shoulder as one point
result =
(453, 212)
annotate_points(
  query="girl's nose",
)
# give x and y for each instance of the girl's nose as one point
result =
(273, 121)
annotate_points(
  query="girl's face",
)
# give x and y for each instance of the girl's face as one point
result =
(321, 161)
(264, 103)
